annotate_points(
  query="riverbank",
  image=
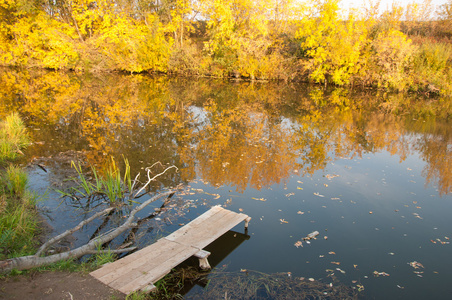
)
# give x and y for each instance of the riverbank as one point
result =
(397, 49)
(56, 285)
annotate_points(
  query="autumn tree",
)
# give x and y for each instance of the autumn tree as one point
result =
(445, 16)
(238, 32)
(332, 46)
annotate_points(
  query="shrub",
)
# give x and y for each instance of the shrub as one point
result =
(392, 55)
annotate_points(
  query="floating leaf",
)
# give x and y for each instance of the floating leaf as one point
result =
(416, 264)
(259, 199)
(376, 274)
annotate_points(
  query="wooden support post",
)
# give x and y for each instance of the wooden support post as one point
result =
(203, 262)
(247, 221)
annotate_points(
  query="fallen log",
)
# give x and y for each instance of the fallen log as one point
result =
(33, 261)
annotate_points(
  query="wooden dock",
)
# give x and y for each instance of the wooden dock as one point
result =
(141, 269)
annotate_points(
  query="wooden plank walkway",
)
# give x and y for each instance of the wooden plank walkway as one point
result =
(141, 269)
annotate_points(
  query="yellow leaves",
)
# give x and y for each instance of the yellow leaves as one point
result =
(133, 46)
(39, 42)
(333, 45)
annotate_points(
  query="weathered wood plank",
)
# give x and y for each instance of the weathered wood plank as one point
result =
(150, 255)
(200, 235)
(153, 271)
(140, 270)
(207, 220)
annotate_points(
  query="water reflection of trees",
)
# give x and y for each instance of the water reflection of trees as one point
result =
(239, 134)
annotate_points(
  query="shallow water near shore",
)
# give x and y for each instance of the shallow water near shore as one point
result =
(376, 185)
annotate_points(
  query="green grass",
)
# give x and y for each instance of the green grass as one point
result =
(18, 221)
(13, 137)
(18, 215)
(109, 184)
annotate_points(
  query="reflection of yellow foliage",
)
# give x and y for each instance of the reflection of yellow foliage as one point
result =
(241, 146)
(243, 135)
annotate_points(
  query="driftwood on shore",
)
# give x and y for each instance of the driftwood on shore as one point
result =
(92, 247)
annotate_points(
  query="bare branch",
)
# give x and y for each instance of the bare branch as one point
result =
(70, 231)
(32, 261)
(111, 251)
(153, 178)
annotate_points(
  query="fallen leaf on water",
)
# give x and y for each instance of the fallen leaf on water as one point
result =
(243, 270)
(416, 264)
(318, 195)
(240, 209)
(354, 266)
(332, 253)
(300, 212)
(311, 279)
(283, 221)
(299, 188)
(298, 244)
(336, 263)
(259, 199)
(416, 215)
(376, 274)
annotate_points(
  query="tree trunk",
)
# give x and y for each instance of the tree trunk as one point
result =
(93, 246)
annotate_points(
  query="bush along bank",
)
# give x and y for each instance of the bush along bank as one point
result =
(400, 48)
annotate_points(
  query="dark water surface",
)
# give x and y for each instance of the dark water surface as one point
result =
(374, 182)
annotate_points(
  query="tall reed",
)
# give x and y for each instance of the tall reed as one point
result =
(107, 183)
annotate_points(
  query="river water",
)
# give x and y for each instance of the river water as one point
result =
(373, 179)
